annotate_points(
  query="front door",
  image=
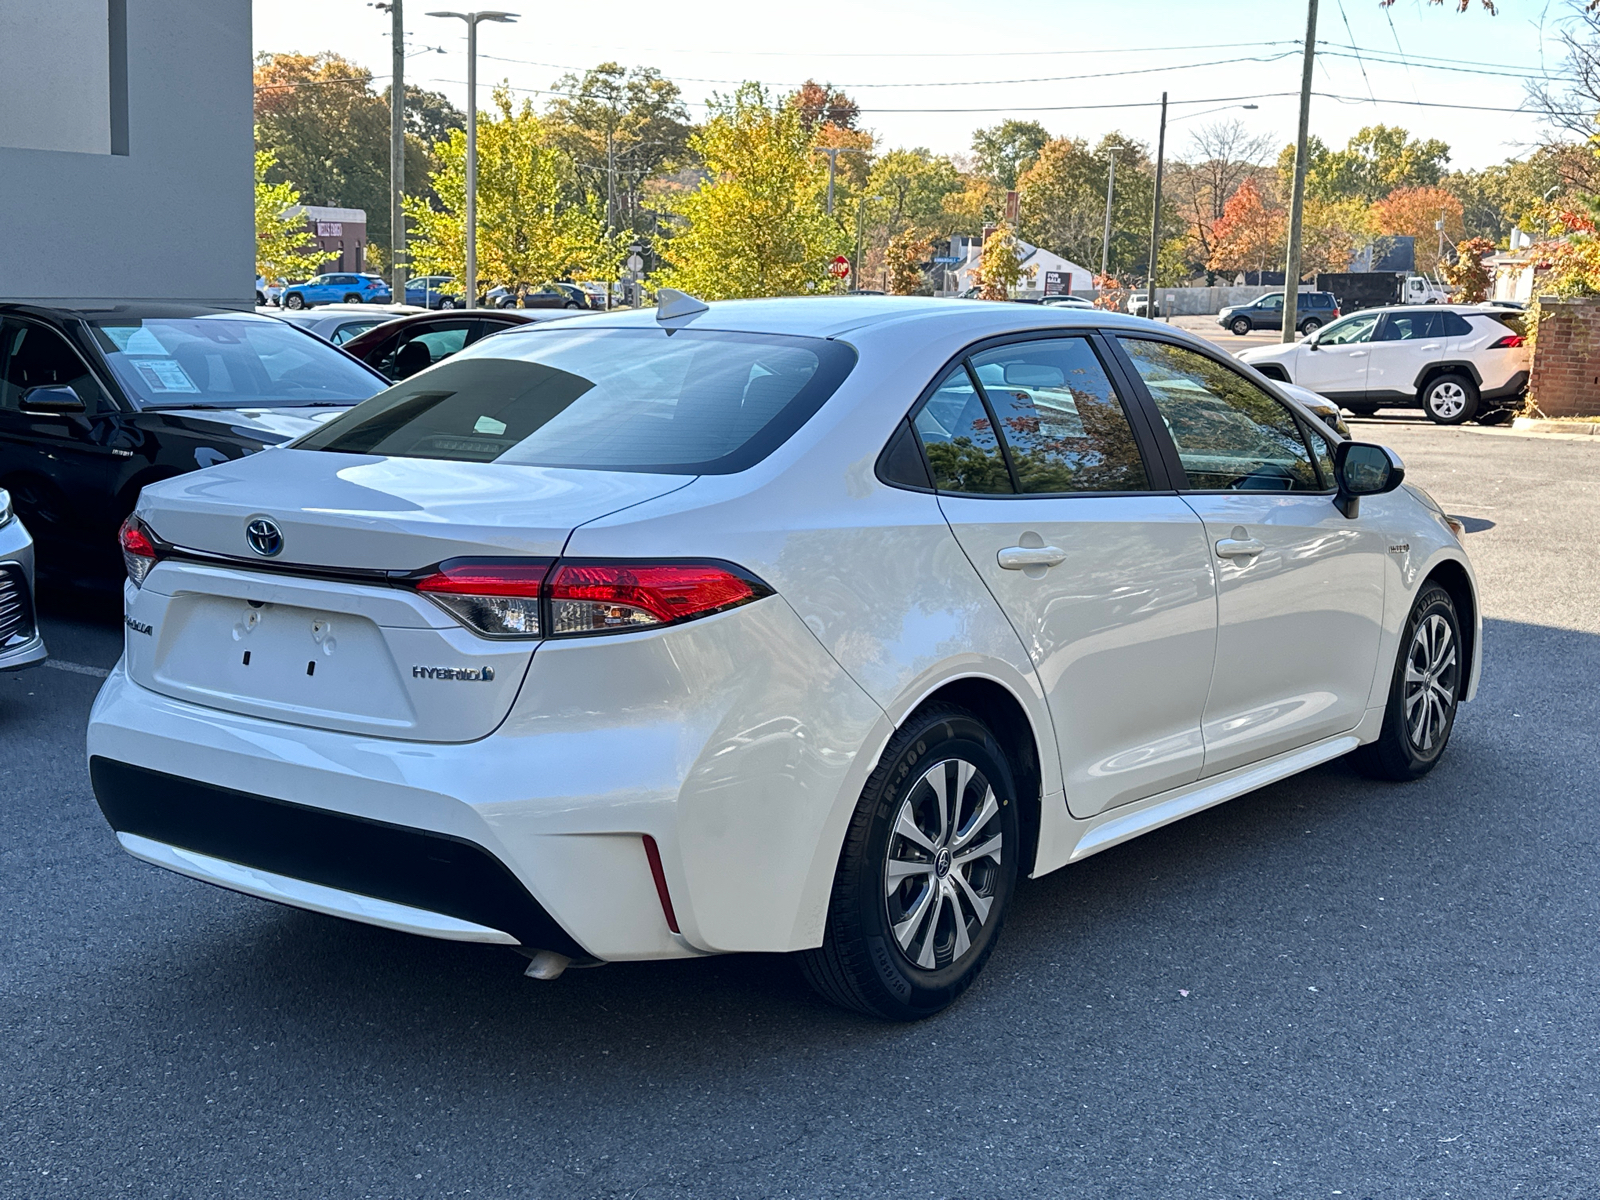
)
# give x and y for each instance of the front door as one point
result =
(1333, 361)
(1268, 312)
(1105, 578)
(60, 460)
(1403, 346)
(1299, 586)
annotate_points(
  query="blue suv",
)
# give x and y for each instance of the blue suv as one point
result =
(337, 289)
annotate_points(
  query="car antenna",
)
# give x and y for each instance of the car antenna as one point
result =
(671, 303)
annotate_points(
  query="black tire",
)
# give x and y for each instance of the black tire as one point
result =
(1361, 410)
(1450, 399)
(261, 300)
(1401, 752)
(1241, 326)
(1309, 326)
(447, 302)
(572, 304)
(294, 300)
(1496, 416)
(861, 964)
(352, 298)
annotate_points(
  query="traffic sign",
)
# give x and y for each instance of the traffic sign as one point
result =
(635, 263)
(839, 268)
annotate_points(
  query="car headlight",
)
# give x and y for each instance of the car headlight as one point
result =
(6, 511)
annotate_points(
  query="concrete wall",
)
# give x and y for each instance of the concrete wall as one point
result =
(126, 147)
(1198, 301)
(1565, 380)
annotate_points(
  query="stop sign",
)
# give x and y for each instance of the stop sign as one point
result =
(839, 268)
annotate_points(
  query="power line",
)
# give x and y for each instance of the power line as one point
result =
(1359, 63)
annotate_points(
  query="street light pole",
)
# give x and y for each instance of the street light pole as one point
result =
(1111, 183)
(1297, 203)
(1151, 308)
(397, 156)
(470, 292)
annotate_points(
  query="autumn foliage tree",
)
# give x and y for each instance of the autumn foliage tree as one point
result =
(904, 260)
(1249, 236)
(1412, 211)
(1468, 276)
(755, 226)
(1001, 267)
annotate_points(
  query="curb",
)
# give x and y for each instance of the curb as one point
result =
(1566, 428)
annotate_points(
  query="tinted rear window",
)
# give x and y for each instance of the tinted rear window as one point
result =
(685, 402)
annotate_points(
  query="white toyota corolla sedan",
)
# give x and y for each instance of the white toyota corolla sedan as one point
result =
(787, 625)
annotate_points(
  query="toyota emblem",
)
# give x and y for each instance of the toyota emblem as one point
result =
(264, 537)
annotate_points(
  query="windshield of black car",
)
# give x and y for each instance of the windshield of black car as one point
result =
(682, 402)
(225, 360)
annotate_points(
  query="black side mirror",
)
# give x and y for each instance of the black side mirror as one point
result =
(51, 401)
(1363, 469)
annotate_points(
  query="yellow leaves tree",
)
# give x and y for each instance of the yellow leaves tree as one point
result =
(531, 228)
(285, 248)
(755, 226)
(904, 259)
(1249, 236)
(1332, 231)
(1412, 211)
(1001, 268)
(1468, 276)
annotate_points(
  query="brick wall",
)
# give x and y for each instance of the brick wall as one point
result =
(1565, 379)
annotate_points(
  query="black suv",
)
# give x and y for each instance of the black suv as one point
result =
(1314, 310)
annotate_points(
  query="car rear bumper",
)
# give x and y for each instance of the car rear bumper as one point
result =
(1509, 390)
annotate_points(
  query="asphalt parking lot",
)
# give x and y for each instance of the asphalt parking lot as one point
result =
(1330, 987)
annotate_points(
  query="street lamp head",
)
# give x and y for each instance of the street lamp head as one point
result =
(1250, 107)
(504, 18)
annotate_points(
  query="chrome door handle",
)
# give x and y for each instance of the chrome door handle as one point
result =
(1014, 558)
(1239, 548)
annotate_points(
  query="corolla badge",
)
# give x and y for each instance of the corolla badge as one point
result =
(265, 538)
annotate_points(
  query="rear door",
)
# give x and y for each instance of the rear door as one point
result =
(1403, 346)
(1299, 586)
(1103, 573)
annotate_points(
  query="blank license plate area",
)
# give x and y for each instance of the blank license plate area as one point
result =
(279, 660)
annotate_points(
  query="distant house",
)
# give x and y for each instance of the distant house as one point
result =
(1512, 271)
(967, 253)
(340, 232)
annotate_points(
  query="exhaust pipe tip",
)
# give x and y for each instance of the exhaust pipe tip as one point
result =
(547, 964)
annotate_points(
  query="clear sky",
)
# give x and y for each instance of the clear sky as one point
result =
(1022, 58)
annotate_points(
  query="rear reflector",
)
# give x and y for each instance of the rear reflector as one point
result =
(653, 853)
(138, 549)
(610, 597)
(495, 597)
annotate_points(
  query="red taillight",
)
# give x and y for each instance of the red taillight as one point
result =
(497, 598)
(1336, 314)
(138, 549)
(527, 597)
(1510, 342)
(602, 597)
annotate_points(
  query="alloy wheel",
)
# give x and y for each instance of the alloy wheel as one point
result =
(1447, 399)
(1432, 674)
(942, 870)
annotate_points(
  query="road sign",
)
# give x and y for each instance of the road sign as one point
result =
(635, 263)
(839, 268)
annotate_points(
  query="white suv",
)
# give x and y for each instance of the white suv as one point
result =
(1458, 362)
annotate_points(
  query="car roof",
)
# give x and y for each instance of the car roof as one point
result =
(832, 316)
(155, 310)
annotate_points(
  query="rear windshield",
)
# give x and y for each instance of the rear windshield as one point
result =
(684, 402)
(227, 361)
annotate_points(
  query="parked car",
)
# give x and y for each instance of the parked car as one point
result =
(434, 291)
(1138, 304)
(95, 404)
(550, 295)
(738, 628)
(339, 323)
(338, 289)
(269, 291)
(1066, 302)
(21, 643)
(1457, 362)
(1319, 406)
(1313, 310)
(399, 349)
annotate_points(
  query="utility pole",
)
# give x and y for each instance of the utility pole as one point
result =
(1291, 274)
(611, 179)
(833, 153)
(1111, 184)
(397, 155)
(861, 208)
(1151, 308)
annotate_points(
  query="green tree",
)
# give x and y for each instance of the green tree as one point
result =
(914, 185)
(531, 226)
(1376, 161)
(621, 127)
(1063, 201)
(1006, 150)
(755, 226)
(285, 248)
(328, 132)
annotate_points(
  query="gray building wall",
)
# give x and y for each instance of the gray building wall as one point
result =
(126, 151)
